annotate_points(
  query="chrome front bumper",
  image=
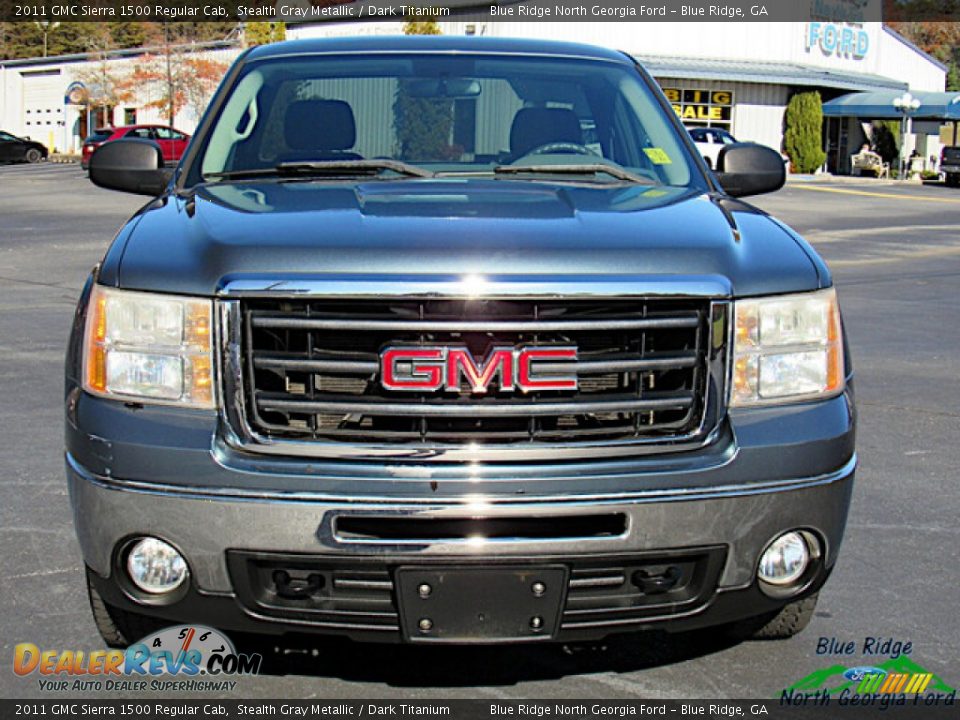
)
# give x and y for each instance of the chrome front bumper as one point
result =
(204, 525)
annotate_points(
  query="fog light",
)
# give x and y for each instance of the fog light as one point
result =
(155, 566)
(785, 559)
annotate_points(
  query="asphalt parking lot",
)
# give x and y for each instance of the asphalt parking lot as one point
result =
(895, 253)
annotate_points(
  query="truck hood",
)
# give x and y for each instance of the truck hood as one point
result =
(270, 232)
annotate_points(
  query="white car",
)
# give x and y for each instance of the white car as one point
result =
(709, 140)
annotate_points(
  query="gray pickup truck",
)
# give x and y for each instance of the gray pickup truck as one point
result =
(950, 165)
(454, 340)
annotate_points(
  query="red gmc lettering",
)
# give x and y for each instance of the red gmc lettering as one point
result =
(425, 375)
(530, 383)
(459, 360)
(428, 369)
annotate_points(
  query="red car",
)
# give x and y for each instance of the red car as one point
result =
(171, 141)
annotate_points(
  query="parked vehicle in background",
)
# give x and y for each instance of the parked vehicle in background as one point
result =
(90, 143)
(172, 142)
(950, 165)
(20, 149)
(710, 141)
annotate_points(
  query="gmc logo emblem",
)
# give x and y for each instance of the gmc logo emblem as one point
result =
(428, 369)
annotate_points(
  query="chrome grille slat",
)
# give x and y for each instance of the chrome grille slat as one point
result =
(331, 366)
(485, 409)
(583, 367)
(464, 326)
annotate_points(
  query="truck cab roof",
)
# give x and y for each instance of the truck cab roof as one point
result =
(437, 43)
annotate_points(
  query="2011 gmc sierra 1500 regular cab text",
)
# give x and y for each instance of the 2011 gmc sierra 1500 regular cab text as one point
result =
(454, 340)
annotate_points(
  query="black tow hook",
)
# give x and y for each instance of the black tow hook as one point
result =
(296, 588)
(656, 583)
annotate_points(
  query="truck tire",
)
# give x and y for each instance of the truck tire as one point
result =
(791, 620)
(783, 624)
(952, 180)
(117, 627)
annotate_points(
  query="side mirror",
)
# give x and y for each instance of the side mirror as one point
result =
(750, 169)
(133, 166)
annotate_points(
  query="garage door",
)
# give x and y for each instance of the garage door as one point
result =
(42, 103)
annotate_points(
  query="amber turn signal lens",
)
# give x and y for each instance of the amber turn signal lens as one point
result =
(147, 347)
(787, 348)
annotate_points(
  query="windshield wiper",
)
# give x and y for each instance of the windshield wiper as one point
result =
(581, 169)
(325, 168)
(358, 167)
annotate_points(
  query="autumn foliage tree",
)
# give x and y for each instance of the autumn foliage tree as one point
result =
(172, 81)
(105, 83)
(174, 76)
(939, 39)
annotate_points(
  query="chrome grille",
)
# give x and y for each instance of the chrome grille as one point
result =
(309, 371)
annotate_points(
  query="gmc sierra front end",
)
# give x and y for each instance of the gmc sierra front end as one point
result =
(454, 340)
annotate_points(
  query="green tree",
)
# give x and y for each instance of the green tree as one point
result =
(802, 139)
(20, 40)
(25, 39)
(127, 34)
(427, 27)
(422, 124)
(953, 77)
(885, 139)
(264, 33)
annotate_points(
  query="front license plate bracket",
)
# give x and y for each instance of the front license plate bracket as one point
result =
(480, 604)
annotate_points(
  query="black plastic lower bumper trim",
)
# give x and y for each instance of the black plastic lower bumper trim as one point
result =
(231, 614)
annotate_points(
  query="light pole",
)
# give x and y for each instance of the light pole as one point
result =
(46, 28)
(906, 104)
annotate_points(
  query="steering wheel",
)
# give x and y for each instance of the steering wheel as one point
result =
(561, 146)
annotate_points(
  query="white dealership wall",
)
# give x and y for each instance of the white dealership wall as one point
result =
(886, 54)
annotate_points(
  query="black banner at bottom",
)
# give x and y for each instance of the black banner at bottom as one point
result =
(480, 709)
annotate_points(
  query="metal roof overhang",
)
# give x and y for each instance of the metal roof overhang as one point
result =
(761, 72)
(877, 105)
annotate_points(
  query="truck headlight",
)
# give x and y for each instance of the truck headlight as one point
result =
(147, 347)
(787, 348)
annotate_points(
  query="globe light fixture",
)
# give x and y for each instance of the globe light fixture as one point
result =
(905, 104)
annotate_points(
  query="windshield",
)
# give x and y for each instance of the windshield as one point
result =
(444, 114)
(98, 135)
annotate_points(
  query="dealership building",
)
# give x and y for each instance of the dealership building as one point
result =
(737, 76)
(48, 99)
(740, 75)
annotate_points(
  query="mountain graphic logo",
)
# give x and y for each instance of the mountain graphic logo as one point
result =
(900, 675)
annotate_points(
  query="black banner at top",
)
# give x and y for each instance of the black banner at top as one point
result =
(853, 11)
